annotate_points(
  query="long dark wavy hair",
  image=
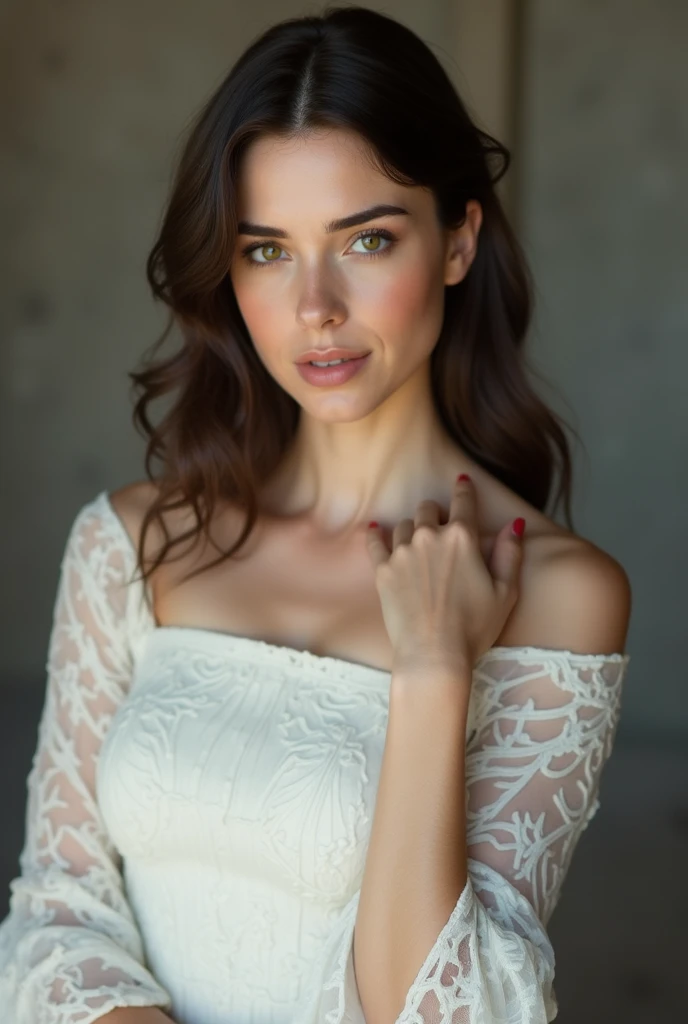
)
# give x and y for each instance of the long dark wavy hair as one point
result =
(230, 422)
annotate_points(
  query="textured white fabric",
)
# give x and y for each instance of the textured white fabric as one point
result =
(199, 808)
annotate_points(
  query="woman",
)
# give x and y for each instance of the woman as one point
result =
(300, 768)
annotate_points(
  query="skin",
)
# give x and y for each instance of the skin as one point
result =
(136, 1015)
(373, 447)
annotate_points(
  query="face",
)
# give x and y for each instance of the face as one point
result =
(377, 286)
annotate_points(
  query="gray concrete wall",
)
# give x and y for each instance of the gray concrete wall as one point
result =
(604, 218)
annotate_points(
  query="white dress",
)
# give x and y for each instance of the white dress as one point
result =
(199, 807)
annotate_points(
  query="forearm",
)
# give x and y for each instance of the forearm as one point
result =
(135, 1015)
(416, 865)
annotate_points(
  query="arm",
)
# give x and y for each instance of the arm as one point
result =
(545, 720)
(135, 1015)
(416, 864)
(416, 869)
(70, 949)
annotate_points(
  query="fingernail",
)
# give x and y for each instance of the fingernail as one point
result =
(463, 476)
(372, 524)
(518, 526)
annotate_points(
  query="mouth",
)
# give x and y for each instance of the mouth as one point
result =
(314, 360)
(338, 372)
(332, 362)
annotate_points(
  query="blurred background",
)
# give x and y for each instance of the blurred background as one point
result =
(591, 96)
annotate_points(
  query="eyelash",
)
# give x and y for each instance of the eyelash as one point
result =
(382, 232)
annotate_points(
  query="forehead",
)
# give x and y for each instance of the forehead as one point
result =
(318, 175)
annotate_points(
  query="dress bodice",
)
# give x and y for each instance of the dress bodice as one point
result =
(200, 806)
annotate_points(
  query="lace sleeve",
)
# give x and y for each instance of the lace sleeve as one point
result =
(70, 950)
(545, 725)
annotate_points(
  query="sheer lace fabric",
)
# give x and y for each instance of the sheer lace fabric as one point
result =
(199, 806)
(70, 949)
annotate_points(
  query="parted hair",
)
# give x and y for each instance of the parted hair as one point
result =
(228, 422)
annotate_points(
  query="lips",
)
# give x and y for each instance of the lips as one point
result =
(329, 356)
(333, 375)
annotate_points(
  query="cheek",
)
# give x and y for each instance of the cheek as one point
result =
(262, 318)
(409, 304)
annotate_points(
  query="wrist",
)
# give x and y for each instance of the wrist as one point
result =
(424, 672)
(433, 688)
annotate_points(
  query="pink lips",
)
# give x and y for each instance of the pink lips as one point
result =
(327, 355)
(329, 375)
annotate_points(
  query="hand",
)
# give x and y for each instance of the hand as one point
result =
(443, 606)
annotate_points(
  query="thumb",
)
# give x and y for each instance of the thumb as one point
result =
(507, 556)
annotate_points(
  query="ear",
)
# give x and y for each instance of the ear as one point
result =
(462, 244)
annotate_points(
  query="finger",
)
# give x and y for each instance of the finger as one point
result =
(427, 513)
(402, 533)
(506, 561)
(377, 548)
(463, 505)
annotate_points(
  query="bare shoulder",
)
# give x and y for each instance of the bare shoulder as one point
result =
(130, 504)
(132, 501)
(574, 596)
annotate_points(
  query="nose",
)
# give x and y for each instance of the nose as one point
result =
(319, 302)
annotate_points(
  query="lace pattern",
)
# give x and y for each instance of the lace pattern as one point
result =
(71, 948)
(546, 725)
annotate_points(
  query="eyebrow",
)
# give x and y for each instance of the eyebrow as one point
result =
(244, 227)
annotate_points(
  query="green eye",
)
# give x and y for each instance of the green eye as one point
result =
(370, 239)
(275, 248)
(374, 237)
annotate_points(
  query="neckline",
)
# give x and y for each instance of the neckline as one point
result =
(305, 657)
(245, 646)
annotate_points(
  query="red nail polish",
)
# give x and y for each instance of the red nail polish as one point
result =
(463, 476)
(518, 526)
(372, 524)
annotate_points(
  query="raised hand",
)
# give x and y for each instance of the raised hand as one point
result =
(442, 604)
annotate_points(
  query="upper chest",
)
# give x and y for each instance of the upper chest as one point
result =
(315, 597)
(288, 589)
